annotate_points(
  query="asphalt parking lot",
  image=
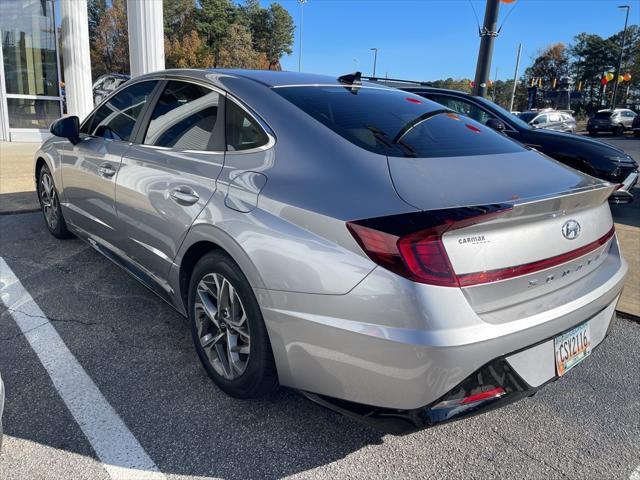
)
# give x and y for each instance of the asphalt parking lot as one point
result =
(138, 353)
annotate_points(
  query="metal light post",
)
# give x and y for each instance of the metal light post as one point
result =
(515, 78)
(301, 2)
(617, 79)
(375, 60)
(487, 35)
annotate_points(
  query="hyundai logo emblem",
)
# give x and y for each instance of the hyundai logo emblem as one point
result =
(571, 229)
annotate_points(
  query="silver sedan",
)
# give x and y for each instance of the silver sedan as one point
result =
(389, 258)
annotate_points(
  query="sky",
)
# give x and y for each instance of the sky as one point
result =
(434, 39)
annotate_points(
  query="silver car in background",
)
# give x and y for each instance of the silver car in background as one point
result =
(557, 120)
(391, 259)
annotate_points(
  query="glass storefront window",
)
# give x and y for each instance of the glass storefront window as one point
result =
(24, 113)
(29, 47)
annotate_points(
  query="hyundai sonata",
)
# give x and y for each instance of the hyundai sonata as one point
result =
(391, 259)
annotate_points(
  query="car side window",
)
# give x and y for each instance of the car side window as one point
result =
(540, 119)
(463, 107)
(242, 132)
(554, 117)
(186, 117)
(116, 118)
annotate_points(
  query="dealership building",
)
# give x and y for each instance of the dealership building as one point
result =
(45, 42)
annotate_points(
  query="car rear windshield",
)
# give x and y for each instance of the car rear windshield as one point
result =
(395, 123)
(602, 115)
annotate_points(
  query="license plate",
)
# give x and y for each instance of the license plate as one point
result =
(572, 347)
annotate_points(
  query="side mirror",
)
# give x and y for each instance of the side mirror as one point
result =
(496, 124)
(67, 127)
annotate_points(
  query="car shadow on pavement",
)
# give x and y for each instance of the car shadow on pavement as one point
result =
(139, 353)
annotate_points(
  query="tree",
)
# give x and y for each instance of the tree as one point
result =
(213, 18)
(551, 64)
(110, 50)
(277, 39)
(190, 51)
(236, 48)
(179, 17)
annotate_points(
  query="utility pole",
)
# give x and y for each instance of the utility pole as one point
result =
(624, 33)
(487, 36)
(515, 78)
(375, 60)
(301, 2)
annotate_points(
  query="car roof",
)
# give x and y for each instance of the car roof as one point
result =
(267, 78)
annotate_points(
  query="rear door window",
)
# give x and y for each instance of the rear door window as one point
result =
(117, 117)
(185, 117)
(396, 123)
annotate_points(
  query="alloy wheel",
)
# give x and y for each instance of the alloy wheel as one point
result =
(49, 200)
(222, 326)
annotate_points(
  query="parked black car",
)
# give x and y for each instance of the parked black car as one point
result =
(595, 158)
(614, 121)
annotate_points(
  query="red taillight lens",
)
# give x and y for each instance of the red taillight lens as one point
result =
(411, 244)
(425, 257)
(418, 256)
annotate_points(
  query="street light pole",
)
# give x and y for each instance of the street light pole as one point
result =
(301, 2)
(515, 78)
(617, 79)
(375, 60)
(487, 35)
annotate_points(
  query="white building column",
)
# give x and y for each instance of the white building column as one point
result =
(76, 57)
(146, 36)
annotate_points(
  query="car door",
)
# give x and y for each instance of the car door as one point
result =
(554, 122)
(168, 176)
(90, 167)
(628, 117)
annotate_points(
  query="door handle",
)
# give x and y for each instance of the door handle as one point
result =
(106, 170)
(184, 195)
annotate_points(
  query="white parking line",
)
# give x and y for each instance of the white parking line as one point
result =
(121, 454)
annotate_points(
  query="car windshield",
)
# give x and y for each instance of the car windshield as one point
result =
(602, 115)
(395, 123)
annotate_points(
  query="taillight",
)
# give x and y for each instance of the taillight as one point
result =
(411, 244)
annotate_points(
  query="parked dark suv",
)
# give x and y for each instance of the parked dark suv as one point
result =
(635, 126)
(595, 158)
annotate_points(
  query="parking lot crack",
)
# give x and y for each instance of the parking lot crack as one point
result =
(529, 455)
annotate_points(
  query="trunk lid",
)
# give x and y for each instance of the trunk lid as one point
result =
(557, 232)
(447, 182)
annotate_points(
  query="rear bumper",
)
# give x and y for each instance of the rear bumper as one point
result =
(394, 344)
(511, 372)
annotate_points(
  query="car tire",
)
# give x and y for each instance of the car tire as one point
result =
(636, 133)
(619, 130)
(50, 205)
(592, 133)
(235, 353)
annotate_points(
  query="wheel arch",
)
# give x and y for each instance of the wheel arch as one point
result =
(200, 240)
